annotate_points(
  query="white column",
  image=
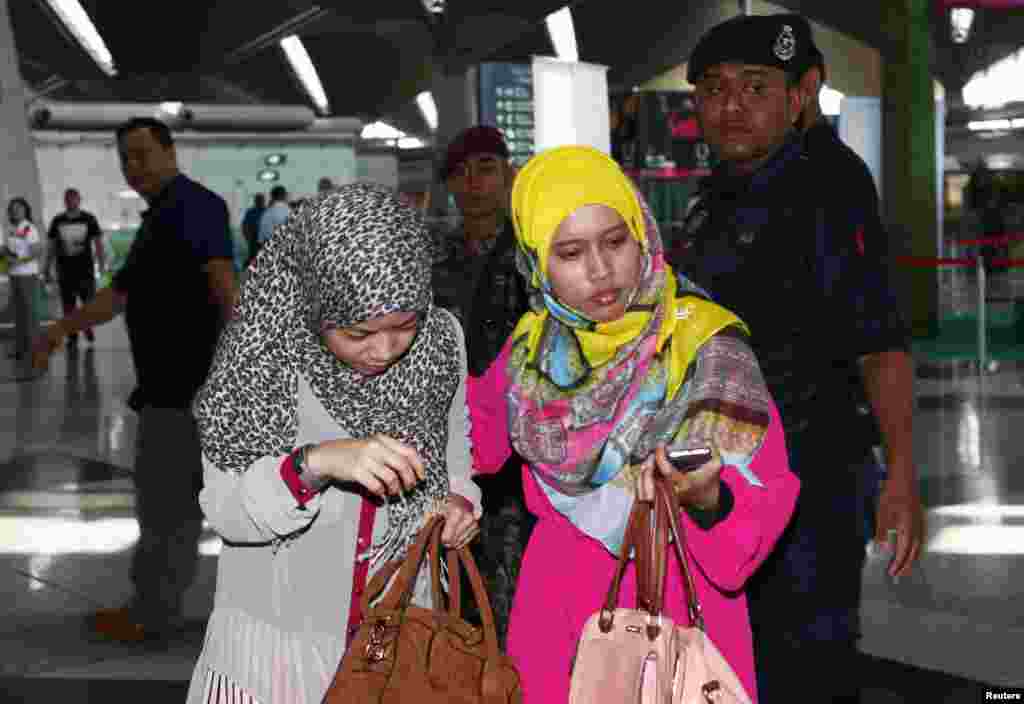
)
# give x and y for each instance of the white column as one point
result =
(570, 104)
(19, 172)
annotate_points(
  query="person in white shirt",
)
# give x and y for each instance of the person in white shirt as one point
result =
(277, 212)
(23, 248)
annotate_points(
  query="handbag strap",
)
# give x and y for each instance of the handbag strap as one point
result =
(400, 593)
(454, 576)
(670, 508)
(646, 539)
(361, 567)
(629, 544)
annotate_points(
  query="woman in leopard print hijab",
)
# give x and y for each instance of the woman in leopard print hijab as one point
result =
(353, 256)
(334, 349)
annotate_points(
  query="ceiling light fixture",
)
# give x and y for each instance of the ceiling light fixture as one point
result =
(411, 143)
(302, 64)
(76, 19)
(999, 84)
(563, 34)
(380, 130)
(960, 20)
(268, 175)
(172, 107)
(275, 159)
(434, 7)
(988, 125)
(428, 108)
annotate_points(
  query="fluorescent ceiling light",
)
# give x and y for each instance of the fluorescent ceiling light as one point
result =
(303, 66)
(999, 84)
(380, 130)
(75, 18)
(563, 35)
(960, 20)
(831, 100)
(428, 107)
(173, 107)
(998, 162)
(987, 125)
(1017, 123)
(411, 143)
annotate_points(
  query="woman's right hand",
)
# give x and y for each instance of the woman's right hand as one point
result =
(383, 465)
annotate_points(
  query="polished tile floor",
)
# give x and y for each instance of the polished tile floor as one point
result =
(950, 632)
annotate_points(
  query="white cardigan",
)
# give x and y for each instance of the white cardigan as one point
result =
(281, 608)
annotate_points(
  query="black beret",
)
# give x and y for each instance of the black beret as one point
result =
(781, 41)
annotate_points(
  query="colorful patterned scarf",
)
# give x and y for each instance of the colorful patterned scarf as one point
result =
(589, 401)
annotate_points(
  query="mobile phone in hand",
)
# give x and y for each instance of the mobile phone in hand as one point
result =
(687, 460)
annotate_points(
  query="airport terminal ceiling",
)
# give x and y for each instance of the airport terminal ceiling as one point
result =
(374, 57)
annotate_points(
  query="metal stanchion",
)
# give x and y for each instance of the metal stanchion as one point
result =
(982, 323)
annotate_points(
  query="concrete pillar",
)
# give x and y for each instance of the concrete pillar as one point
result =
(909, 155)
(19, 173)
(455, 95)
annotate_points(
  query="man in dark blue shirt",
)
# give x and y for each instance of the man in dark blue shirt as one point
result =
(776, 240)
(177, 290)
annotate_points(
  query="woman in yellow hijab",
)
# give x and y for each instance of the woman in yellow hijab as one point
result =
(619, 359)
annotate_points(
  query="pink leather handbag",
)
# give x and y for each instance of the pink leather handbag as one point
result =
(641, 656)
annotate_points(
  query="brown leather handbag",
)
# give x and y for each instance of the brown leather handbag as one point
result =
(405, 653)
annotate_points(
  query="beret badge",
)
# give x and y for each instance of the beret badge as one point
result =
(785, 44)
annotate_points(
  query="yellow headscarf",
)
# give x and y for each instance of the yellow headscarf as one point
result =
(552, 186)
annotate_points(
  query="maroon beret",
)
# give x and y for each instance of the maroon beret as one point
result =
(475, 140)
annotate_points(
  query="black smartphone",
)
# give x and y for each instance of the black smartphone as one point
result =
(689, 459)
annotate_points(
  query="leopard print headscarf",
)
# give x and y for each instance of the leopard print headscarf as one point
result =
(345, 257)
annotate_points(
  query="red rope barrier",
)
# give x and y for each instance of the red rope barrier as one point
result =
(938, 262)
(995, 239)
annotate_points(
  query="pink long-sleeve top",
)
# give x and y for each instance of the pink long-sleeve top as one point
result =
(565, 574)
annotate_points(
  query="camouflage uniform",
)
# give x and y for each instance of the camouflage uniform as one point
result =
(488, 296)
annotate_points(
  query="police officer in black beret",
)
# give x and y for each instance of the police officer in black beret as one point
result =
(776, 239)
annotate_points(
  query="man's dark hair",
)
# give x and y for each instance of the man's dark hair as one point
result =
(69, 191)
(259, 200)
(278, 193)
(160, 131)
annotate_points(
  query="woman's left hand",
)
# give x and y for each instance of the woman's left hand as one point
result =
(460, 525)
(698, 488)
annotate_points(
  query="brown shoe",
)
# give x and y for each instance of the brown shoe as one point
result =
(118, 625)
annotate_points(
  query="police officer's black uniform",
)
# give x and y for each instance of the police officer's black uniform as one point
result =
(787, 249)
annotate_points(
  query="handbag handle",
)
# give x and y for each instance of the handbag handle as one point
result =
(428, 543)
(646, 538)
(670, 509)
(454, 576)
(408, 568)
(628, 547)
